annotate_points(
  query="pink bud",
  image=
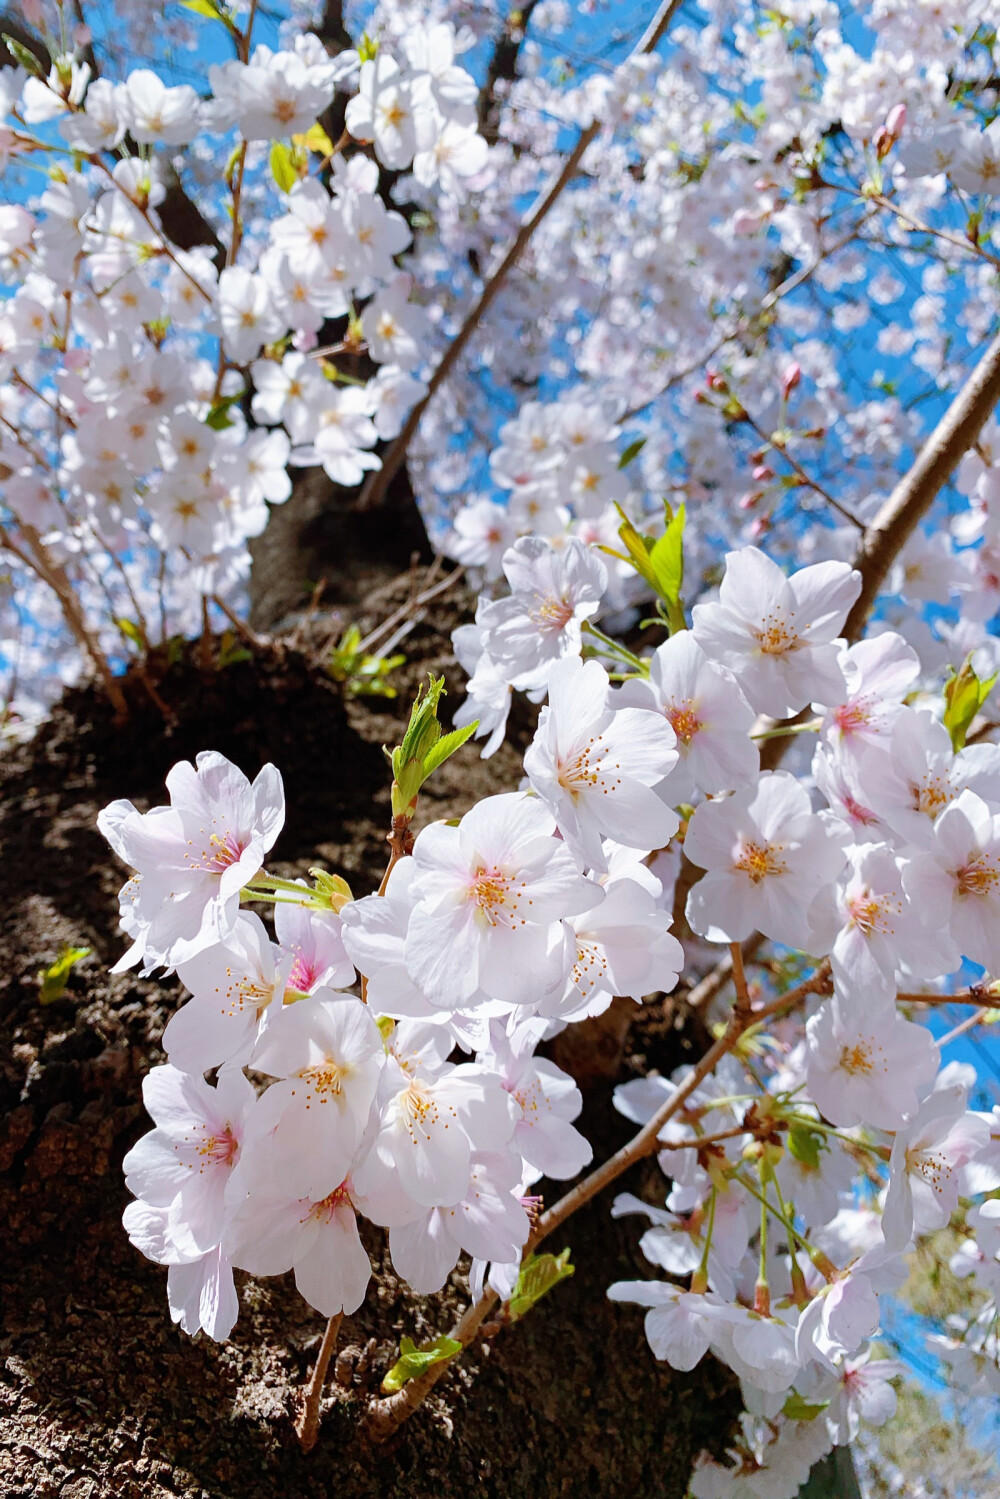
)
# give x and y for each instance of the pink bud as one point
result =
(715, 381)
(304, 340)
(749, 500)
(762, 473)
(895, 121)
(82, 36)
(789, 380)
(76, 359)
(759, 527)
(33, 12)
(746, 222)
(888, 134)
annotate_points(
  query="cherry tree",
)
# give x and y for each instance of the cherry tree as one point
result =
(598, 327)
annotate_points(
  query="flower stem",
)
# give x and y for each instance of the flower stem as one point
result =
(307, 1424)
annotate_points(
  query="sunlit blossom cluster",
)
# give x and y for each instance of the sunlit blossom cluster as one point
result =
(424, 1107)
(684, 325)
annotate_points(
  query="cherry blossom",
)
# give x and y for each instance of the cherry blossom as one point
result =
(595, 764)
(777, 634)
(766, 855)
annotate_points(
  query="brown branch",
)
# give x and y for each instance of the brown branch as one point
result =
(916, 492)
(983, 998)
(380, 480)
(35, 555)
(502, 68)
(307, 1425)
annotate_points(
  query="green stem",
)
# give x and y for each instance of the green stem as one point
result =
(699, 1280)
(783, 731)
(615, 646)
(816, 1255)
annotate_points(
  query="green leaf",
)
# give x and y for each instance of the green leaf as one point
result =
(54, 978)
(231, 653)
(205, 8)
(413, 1361)
(24, 56)
(667, 559)
(283, 168)
(797, 1409)
(132, 632)
(805, 1144)
(447, 745)
(367, 47)
(632, 451)
(964, 695)
(540, 1274)
(422, 733)
(316, 140)
(218, 417)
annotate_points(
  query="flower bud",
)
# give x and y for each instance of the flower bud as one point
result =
(791, 377)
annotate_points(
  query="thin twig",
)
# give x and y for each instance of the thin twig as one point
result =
(967, 1024)
(411, 604)
(962, 997)
(254, 641)
(307, 1425)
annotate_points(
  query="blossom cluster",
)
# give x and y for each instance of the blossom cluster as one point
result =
(422, 1105)
(155, 396)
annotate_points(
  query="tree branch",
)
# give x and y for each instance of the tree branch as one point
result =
(379, 481)
(502, 69)
(916, 492)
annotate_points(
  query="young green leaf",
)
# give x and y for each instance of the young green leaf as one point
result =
(218, 417)
(413, 1361)
(283, 166)
(667, 559)
(964, 695)
(316, 140)
(446, 746)
(797, 1409)
(540, 1274)
(805, 1144)
(53, 979)
(132, 632)
(631, 452)
(205, 8)
(23, 56)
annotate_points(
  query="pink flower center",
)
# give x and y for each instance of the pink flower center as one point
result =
(552, 614)
(979, 877)
(776, 634)
(683, 720)
(497, 896)
(873, 914)
(303, 975)
(859, 814)
(223, 849)
(324, 1210)
(758, 860)
(216, 1150)
(323, 1081)
(935, 793)
(850, 717)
